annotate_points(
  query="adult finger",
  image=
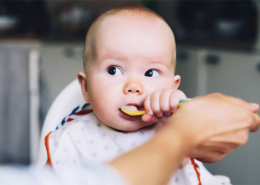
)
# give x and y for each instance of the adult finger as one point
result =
(253, 107)
(255, 123)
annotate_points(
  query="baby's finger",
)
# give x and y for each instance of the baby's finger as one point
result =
(165, 101)
(155, 104)
(147, 105)
(175, 97)
(149, 118)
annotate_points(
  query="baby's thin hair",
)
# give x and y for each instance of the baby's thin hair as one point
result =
(136, 11)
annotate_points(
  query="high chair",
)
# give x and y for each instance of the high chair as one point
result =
(69, 101)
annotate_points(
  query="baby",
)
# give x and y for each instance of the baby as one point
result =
(129, 60)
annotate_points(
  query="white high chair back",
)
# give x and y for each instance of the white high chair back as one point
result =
(69, 99)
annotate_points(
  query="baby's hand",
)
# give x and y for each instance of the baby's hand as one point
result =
(160, 105)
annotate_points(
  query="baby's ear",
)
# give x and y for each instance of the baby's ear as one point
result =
(82, 78)
(177, 80)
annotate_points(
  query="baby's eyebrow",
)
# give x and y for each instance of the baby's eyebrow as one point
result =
(113, 55)
(161, 62)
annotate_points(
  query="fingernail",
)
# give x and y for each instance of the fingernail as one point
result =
(255, 105)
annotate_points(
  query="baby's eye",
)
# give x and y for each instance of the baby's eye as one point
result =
(152, 73)
(114, 70)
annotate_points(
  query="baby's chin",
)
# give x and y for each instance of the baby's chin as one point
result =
(130, 127)
(125, 128)
(120, 123)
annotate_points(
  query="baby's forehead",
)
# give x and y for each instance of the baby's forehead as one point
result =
(131, 19)
(124, 21)
(129, 15)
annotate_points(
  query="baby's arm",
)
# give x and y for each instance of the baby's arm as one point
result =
(161, 104)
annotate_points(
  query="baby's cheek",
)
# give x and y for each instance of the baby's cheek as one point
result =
(104, 108)
(101, 113)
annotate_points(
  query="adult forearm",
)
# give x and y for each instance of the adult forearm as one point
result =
(155, 161)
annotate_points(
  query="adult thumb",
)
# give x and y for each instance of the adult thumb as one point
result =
(254, 107)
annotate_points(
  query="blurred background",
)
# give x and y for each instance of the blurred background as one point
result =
(41, 50)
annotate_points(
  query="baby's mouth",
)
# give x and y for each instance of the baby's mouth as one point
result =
(132, 110)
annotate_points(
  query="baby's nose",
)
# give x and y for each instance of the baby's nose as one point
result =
(133, 86)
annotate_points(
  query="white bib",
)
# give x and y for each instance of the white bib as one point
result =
(86, 139)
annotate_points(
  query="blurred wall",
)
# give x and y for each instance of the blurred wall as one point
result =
(60, 63)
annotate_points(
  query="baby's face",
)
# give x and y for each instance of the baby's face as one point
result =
(134, 59)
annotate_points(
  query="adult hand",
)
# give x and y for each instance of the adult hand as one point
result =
(215, 125)
(206, 128)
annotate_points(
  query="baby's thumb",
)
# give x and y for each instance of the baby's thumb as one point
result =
(149, 118)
